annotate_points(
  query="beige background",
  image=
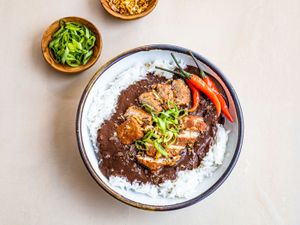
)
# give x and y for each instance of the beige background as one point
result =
(256, 43)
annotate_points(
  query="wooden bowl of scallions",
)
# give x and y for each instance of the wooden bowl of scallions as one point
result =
(71, 44)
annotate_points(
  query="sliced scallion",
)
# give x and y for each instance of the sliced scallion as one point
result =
(165, 129)
(72, 44)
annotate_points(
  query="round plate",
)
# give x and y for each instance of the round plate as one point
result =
(121, 63)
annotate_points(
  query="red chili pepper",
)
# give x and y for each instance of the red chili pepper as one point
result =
(212, 85)
(198, 83)
(224, 106)
(195, 94)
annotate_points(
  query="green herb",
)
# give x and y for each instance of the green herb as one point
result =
(165, 129)
(160, 149)
(72, 44)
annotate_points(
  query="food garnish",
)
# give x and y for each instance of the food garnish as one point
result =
(72, 44)
(200, 85)
(212, 85)
(129, 7)
(196, 96)
(164, 131)
(197, 82)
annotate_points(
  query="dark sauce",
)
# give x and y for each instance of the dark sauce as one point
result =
(119, 160)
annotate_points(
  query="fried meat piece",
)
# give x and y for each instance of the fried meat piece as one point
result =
(156, 164)
(165, 93)
(186, 137)
(129, 131)
(139, 114)
(193, 123)
(151, 151)
(182, 94)
(149, 99)
(175, 149)
(191, 126)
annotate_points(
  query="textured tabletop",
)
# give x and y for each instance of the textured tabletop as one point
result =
(43, 180)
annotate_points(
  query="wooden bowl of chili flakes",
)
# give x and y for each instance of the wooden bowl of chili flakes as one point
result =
(128, 9)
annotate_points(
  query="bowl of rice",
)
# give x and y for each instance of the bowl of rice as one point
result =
(98, 103)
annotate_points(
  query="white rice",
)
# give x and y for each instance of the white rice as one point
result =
(103, 107)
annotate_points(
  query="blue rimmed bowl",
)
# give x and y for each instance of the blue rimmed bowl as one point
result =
(121, 63)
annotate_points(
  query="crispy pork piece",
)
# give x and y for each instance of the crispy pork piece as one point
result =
(165, 93)
(187, 137)
(182, 94)
(151, 150)
(129, 131)
(156, 164)
(191, 128)
(193, 123)
(149, 99)
(139, 114)
(174, 150)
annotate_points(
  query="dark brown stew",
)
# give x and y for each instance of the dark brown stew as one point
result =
(119, 160)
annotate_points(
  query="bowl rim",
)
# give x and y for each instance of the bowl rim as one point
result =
(71, 70)
(128, 17)
(123, 199)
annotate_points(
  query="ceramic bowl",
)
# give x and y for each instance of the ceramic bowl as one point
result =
(108, 9)
(49, 57)
(143, 55)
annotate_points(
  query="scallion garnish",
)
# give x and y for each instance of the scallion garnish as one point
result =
(165, 129)
(72, 44)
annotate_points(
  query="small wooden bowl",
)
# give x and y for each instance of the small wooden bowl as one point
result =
(149, 9)
(49, 57)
